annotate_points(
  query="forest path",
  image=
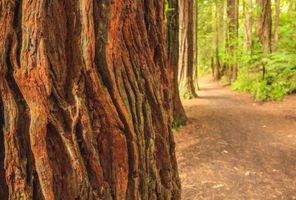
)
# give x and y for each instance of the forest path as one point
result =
(235, 148)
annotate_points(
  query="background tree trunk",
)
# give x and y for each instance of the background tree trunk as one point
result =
(218, 27)
(236, 26)
(264, 25)
(85, 101)
(186, 49)
(276, 25)
(212, 67)
(232, 38)
(172, 31)
(195, 29)
(248, 43)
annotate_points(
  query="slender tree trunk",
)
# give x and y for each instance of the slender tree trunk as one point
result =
(217, 43)
(195, 71)
(186, 49)
(212, 67)
(231, 38)
(264, 25)
(276, 25)
(226, 70)
(218, 73)
(236, 26)
(178, 111)
(85, 101)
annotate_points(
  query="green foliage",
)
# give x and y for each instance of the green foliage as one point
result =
(206, 34)
(279, 80)
(177, 123)
(167, 7)
(280, 73)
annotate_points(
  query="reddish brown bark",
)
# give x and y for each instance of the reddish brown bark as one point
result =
(232, 37)
(187, 48)
(276, 24)
(212, 67)
(264, 25)
(195, 45)
(172, 32)
(248, 43)
(218, 27)
(236, 26)
(85, 100)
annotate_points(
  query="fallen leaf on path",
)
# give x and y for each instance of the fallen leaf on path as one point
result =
(218, 186)
(225, 151)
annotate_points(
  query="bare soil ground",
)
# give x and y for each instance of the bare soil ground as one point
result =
(235, 148)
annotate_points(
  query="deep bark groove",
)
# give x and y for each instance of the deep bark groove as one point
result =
(87, 96)
(3, 185)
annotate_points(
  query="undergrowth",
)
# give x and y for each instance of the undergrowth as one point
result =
(278, 80)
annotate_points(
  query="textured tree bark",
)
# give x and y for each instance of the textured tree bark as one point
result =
(85, 100)
(264, 25)
(172, 32)
(3, 186)
(276, 25)
(187, 49)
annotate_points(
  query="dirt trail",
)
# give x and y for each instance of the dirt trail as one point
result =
(234, 148)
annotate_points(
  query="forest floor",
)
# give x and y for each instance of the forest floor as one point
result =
(235, 148)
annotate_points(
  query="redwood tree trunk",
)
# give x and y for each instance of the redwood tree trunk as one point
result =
(195, 43)
(218, 33)
(264, 24)
(178, 112)
(248, 43)
(276, 25)
(187, 48)
(232, 38)
(236, 26)
(85, 101)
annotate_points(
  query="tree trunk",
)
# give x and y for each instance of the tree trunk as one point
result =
(212, 67)
(186, 49)
(195, 29)
(217, 42)
(85, 101)
(218, 73)
(264, 24)
(276, 25)
(248, 43)
(232, 38)
(172, 31)
(236, 26)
